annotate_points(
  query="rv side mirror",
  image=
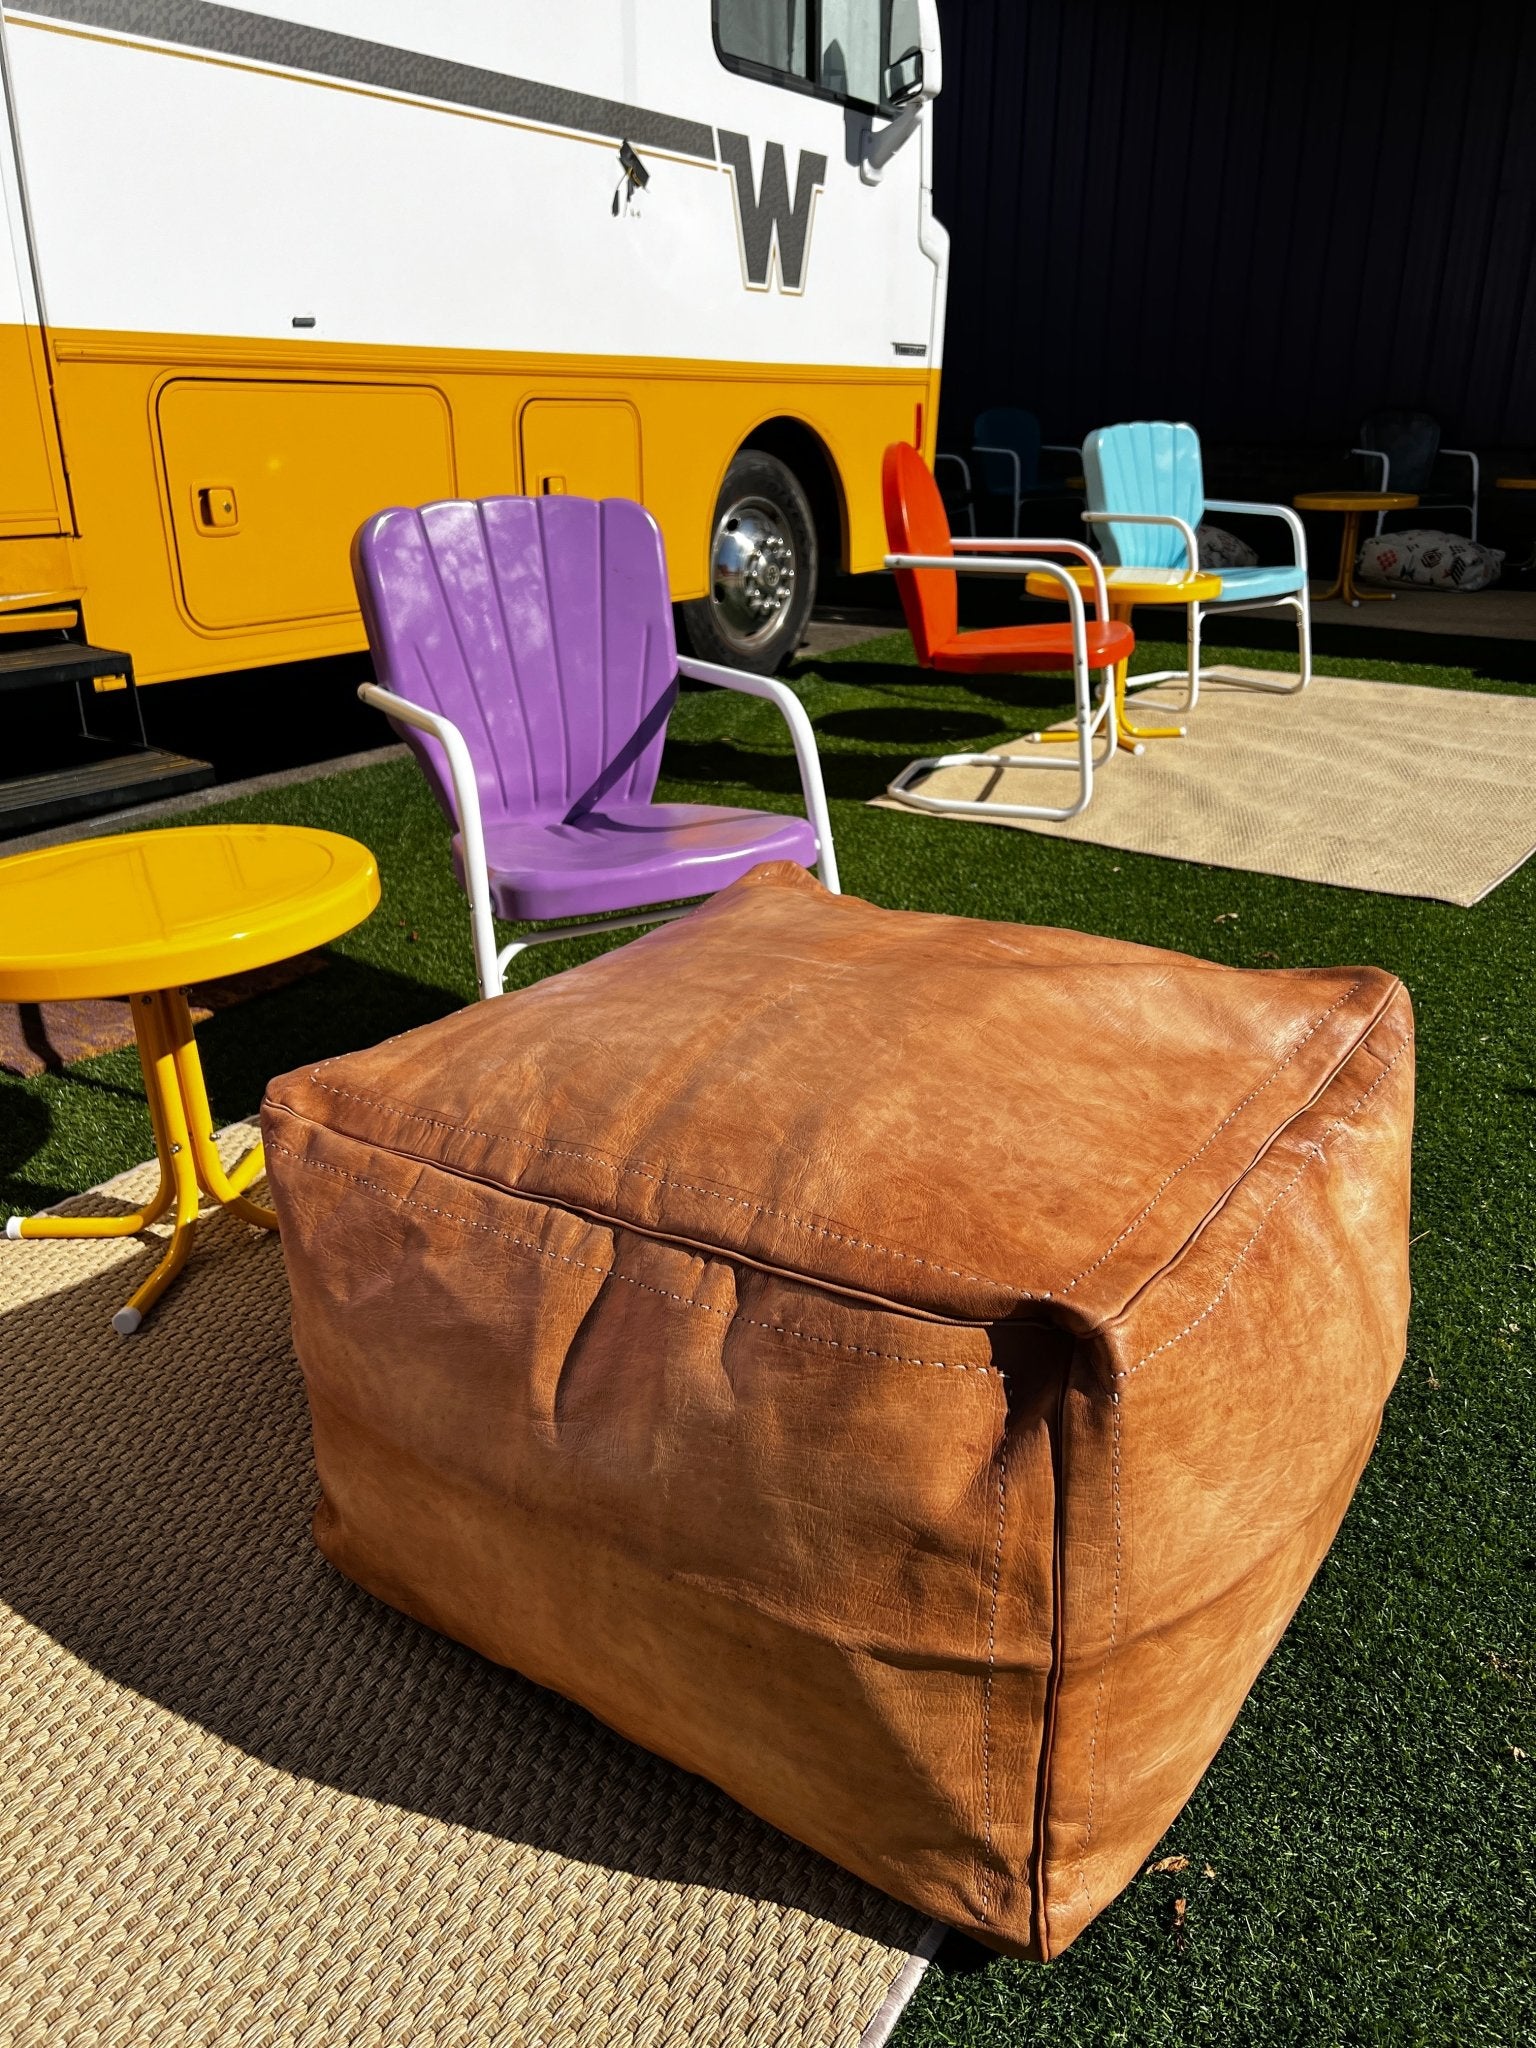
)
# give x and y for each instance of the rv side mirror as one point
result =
(904, 78)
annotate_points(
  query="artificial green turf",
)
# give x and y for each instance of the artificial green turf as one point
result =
(1368, 1826)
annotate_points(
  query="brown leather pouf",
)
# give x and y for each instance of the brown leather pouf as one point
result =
(904, 1368)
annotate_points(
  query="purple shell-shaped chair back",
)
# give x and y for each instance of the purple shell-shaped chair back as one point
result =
(542, 628)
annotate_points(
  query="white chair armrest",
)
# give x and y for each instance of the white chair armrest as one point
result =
(1467, 455)
(809, 761)
(466, 804)
(1060, 448)
(1376, 455)
(1012, 455)
(1010, 565)
(1191, 545)
(965, 468)
(1016, 489)
(1291, 518)
(1077, 548)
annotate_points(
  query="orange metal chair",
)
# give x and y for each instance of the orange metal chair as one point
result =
(927, 560)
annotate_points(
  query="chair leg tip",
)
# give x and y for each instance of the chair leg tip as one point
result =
(126, 1321)
(13, 1227)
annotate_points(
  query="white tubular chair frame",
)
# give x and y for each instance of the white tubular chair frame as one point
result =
(1089, 722)
(965, 470)
(490, 964)
(1298, 602)
(1011, 456)
(1384, 482)
(807, 759)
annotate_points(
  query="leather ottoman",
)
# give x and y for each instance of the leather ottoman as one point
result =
(903, 1368)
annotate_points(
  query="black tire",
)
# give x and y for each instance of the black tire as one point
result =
(763, 567)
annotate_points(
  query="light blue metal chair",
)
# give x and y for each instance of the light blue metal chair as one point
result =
(1146, 493)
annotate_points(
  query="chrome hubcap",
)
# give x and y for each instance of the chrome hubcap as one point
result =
(752, 569)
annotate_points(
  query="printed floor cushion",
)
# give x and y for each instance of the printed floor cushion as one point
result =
(1222, 550)
(904, 1368)
(1438, 561)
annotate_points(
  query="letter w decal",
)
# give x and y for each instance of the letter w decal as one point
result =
(767, 221)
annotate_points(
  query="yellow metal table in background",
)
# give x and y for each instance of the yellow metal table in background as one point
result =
(141, 914)
(1353, 504)
(1126, 588)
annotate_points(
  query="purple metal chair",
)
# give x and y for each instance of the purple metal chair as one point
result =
(524, 652)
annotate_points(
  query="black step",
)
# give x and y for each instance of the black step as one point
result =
(29, 668)
(94, 786)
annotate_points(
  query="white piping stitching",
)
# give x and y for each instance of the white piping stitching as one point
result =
(612, 1273)
(530, 1145)
(986, 1694)
(1132, 1227)
(1109, 1648)
(603, 1159)
(1314, 1152)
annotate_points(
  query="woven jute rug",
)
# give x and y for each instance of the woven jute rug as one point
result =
(246, 1804)
(1383, 786)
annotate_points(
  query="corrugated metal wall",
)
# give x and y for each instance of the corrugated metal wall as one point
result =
(1265, 220)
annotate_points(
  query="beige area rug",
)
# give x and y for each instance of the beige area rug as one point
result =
(1384, 786)
(246, 1804)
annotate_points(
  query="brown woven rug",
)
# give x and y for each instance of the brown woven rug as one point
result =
(1385, 786)
(246, 1804)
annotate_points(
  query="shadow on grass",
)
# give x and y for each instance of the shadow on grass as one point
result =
(1022, 693)
(352, 1004)
(898, 726)
(716, 771)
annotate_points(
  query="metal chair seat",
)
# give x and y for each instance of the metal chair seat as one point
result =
(629, 855)
(1019, 650)
(524, 652)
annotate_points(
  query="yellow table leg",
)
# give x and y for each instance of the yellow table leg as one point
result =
(1350, 589)
(139, 1219)
(1128, 737)
(189, 1162)
(223, 1187)
(157, 1056)
(1344, 584)
(1128, 734)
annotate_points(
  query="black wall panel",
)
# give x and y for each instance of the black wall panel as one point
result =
(1268, 220)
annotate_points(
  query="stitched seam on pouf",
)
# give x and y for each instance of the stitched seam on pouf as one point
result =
(1132, 1227)
(606, 1159)
(612, 1273)
(1314, 1153)
(986, 1691)
(1109, 1648)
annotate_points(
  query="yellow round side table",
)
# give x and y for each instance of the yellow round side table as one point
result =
(1353, 504)
(1126, 588)
(142, 914)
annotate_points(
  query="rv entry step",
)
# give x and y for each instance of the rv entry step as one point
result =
(87, 772)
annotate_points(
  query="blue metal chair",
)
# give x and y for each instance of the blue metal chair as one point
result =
(1146, 492)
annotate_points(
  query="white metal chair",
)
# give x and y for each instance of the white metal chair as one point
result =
(927, 562)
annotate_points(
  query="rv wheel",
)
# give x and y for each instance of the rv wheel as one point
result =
(762, 569)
